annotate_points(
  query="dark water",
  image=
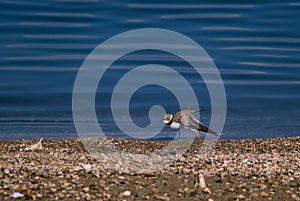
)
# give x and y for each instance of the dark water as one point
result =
(255, 46)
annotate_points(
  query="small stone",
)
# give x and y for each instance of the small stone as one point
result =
(291, 179)
(294, 196)
(262, 187)
(87, 196)
(121, 177)
(6, 171)
(156, 190)
(240, 197)
(126, 194)
(86, 167)
(288, 192)
(108, 196)
(86, 189)
(164, 198)
(38, 195)
(17, 187)
(223, 175)
(240, 186)
(180, 190)
(231, 189)
(264, 194)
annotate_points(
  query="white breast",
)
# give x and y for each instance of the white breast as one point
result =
(175, 125)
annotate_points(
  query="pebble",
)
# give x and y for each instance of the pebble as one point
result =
(86, 167)
(262, 187)
(86, 189)
(160, 197)
(126, 194)
(264, 194)
(240, 197)
(87, 196)
(63, 170)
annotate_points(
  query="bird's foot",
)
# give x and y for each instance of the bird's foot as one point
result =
(198, 134)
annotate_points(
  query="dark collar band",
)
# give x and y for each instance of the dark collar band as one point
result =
(170, 122)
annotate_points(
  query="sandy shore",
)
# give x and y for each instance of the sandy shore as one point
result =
(260, 169)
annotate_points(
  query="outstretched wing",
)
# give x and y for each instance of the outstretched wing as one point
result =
(196, 111)
(198, 126)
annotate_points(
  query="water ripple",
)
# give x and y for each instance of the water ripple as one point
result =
(200, 16)
(58, 36)
(294, 4)
(254, 82)
(226, 28)
(37, 69)
(192, 6)
(56, 24)
(51, 46)
(78, 1)
(261, 39)
(270, 64)
(69, 14)
(259, 48)
(49, 58)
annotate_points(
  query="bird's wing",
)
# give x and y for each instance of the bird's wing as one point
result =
(196, 111)
(197, 125)
(177, 117)
(182, 118)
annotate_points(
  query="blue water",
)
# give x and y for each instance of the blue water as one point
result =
(255, 46)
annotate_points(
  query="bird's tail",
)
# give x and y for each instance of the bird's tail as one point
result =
(209, 131)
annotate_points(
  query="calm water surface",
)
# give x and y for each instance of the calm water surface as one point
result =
(255, 46)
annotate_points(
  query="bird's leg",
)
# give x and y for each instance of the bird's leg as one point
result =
(179, 133)
(198, 134)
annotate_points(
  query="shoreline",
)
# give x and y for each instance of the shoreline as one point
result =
(248, 169)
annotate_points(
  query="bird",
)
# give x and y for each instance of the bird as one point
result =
(185, 119)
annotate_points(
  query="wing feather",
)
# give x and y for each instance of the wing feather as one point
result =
(196, 111)
(197, 125)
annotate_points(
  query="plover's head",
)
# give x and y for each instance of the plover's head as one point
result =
(167, 118)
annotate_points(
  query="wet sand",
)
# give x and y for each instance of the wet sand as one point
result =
(258, 169)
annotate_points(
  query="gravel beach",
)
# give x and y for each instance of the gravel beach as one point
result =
(256, 169)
